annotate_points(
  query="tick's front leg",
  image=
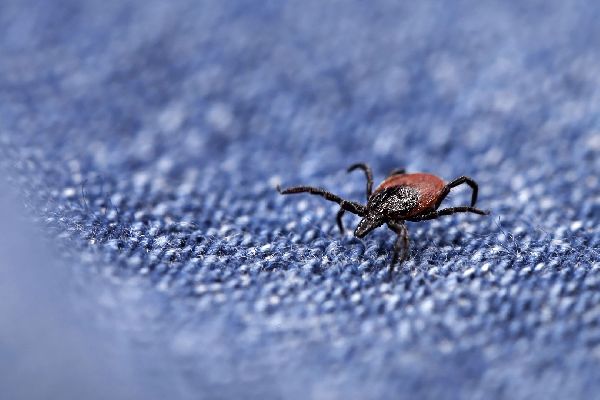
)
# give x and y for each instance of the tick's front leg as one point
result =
(340, 222)
(401, 247)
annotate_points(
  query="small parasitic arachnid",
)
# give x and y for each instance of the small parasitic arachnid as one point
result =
(400, 197)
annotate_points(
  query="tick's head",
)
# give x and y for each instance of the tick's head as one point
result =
(368, 223)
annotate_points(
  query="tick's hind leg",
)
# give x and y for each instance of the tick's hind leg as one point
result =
(397, 171)
(457, 182)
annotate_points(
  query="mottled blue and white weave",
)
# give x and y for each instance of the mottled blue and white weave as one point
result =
(145, 139)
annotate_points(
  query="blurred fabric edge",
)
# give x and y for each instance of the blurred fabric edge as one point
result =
(49, 350)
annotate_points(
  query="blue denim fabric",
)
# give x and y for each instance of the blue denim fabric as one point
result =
(145, 139)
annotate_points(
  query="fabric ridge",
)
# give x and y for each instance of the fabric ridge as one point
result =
(145, 140)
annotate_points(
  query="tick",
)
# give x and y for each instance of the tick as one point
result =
(399, 198)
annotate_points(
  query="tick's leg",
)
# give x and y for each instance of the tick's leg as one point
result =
(397, 171)
(340, 223)
(455, 183)
(368, 174)
(401, 245)
(351, 206)
(447, 211)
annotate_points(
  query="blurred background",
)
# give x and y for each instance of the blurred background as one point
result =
(144, 252)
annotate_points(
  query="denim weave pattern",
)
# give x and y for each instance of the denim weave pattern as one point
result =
(146, 139)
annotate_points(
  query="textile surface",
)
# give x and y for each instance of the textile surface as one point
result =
(145, 139)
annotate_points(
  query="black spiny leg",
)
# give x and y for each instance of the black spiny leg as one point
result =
(340, 223)
(368, 173)
(447, 211)
(351, 206)
(397, 171)
(455, 183)
(401, 245)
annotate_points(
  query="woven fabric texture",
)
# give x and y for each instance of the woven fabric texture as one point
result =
(146, 139)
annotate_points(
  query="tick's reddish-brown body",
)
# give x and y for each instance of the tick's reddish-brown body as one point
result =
(429, 188)
(400, 197)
